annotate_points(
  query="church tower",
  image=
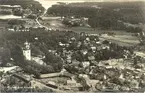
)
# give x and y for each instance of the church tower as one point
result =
(27, 51)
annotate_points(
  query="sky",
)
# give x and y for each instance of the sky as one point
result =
(48, 3)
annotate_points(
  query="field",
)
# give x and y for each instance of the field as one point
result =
(122, 38)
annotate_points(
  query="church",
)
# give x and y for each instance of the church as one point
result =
(27, 51)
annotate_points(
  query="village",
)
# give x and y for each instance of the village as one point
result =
(37, 56)
(122, 69)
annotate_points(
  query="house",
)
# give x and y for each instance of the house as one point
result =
(91, 56)
(38, 60)
(86, 64)
(19, 28)
(93, 48)
(73, 85)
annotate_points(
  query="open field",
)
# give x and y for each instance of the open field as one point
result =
(55, 22)
(122, 42)
(121, 37)
(91, 31)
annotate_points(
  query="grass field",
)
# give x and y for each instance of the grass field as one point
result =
(122, 41)
(55, 22)
(122, 38)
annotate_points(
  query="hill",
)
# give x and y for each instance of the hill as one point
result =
(104, 15)
(131, 12)
(31, 4)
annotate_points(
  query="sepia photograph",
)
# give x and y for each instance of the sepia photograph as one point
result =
(63, 46)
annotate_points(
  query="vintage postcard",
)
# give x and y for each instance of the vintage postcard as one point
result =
(72, 46)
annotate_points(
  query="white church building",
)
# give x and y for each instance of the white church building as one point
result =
(27, 54)
(27, 51)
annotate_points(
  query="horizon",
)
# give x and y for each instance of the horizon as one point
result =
(48, 3)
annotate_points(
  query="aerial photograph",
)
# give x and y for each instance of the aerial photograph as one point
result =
(64, 46)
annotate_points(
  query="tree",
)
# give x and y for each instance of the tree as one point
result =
(78, 55)
(5, 56)
(18, 12)
(31, 4)
(16, 22)
(54, 61)
(1, 74)
(32, 16)
(93, 22)
(36, 50)
(17, 54)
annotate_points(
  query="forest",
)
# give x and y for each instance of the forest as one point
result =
(26, 4)
(104, 15)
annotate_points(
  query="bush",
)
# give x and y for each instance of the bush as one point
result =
(134, 29)
(18, 12)
(16, 22)
(32, 16)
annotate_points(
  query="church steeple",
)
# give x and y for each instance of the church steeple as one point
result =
(27, 45)
(27, 50)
